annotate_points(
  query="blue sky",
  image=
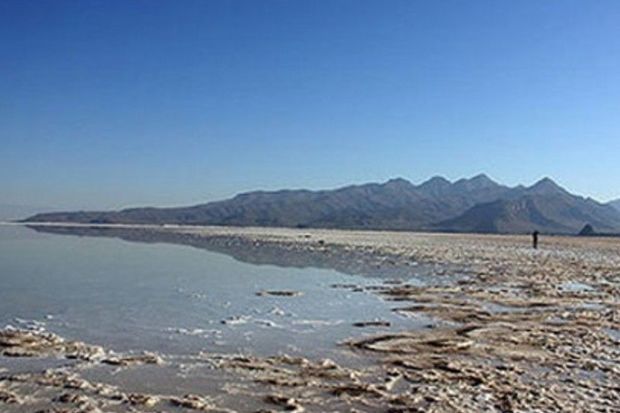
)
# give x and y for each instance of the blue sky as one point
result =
(116, 103)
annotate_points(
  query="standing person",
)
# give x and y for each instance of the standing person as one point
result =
(535, 239)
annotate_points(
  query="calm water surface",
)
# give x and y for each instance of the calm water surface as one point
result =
(176, 299)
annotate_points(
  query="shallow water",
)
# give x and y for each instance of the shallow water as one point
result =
(576, 287)
(177, 300)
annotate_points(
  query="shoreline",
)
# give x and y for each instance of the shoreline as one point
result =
(523, 330)
(259, 229)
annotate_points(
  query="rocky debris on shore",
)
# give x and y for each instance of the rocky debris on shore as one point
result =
(9, 397)
(233, 320)
(36, 343)
(146, 400)
(517, 330)
(58, 390)
(289, 404)
(276, 293)
(374, 323)
(518, 333)
(27, 343)
(133, 360)
(193, 402)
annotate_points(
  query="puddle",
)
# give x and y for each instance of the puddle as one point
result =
(576, 287)
(614, 333)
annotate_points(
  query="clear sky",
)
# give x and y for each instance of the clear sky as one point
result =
(116, 103)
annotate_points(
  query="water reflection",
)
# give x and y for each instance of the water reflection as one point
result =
(251, 252)
(182, 300)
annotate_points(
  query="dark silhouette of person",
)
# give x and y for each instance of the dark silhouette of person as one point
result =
(535, 239)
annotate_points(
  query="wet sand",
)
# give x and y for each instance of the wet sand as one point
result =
(513, 330)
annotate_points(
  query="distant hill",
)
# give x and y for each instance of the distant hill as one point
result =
(615, 204)
(477, 204)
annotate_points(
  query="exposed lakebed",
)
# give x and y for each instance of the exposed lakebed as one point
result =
(178, 302)
(437, 323)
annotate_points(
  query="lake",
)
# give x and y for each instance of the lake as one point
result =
(178, 300)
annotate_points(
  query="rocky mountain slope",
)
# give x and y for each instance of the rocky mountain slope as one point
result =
(477, 204)
(544, 206)
(615, 204)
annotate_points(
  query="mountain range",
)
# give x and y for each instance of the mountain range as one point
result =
(477, 204)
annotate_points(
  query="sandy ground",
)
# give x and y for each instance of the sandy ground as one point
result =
(520, 330)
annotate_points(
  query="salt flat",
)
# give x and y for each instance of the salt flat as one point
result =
(508, 328)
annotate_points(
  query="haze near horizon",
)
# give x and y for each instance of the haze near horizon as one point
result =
(115, 104)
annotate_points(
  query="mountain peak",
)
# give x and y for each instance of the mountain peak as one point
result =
(477, 182)
(435, 181)
(545, 181)
(546, 186)
(398, 183)
(397, 180)
(482, 178)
